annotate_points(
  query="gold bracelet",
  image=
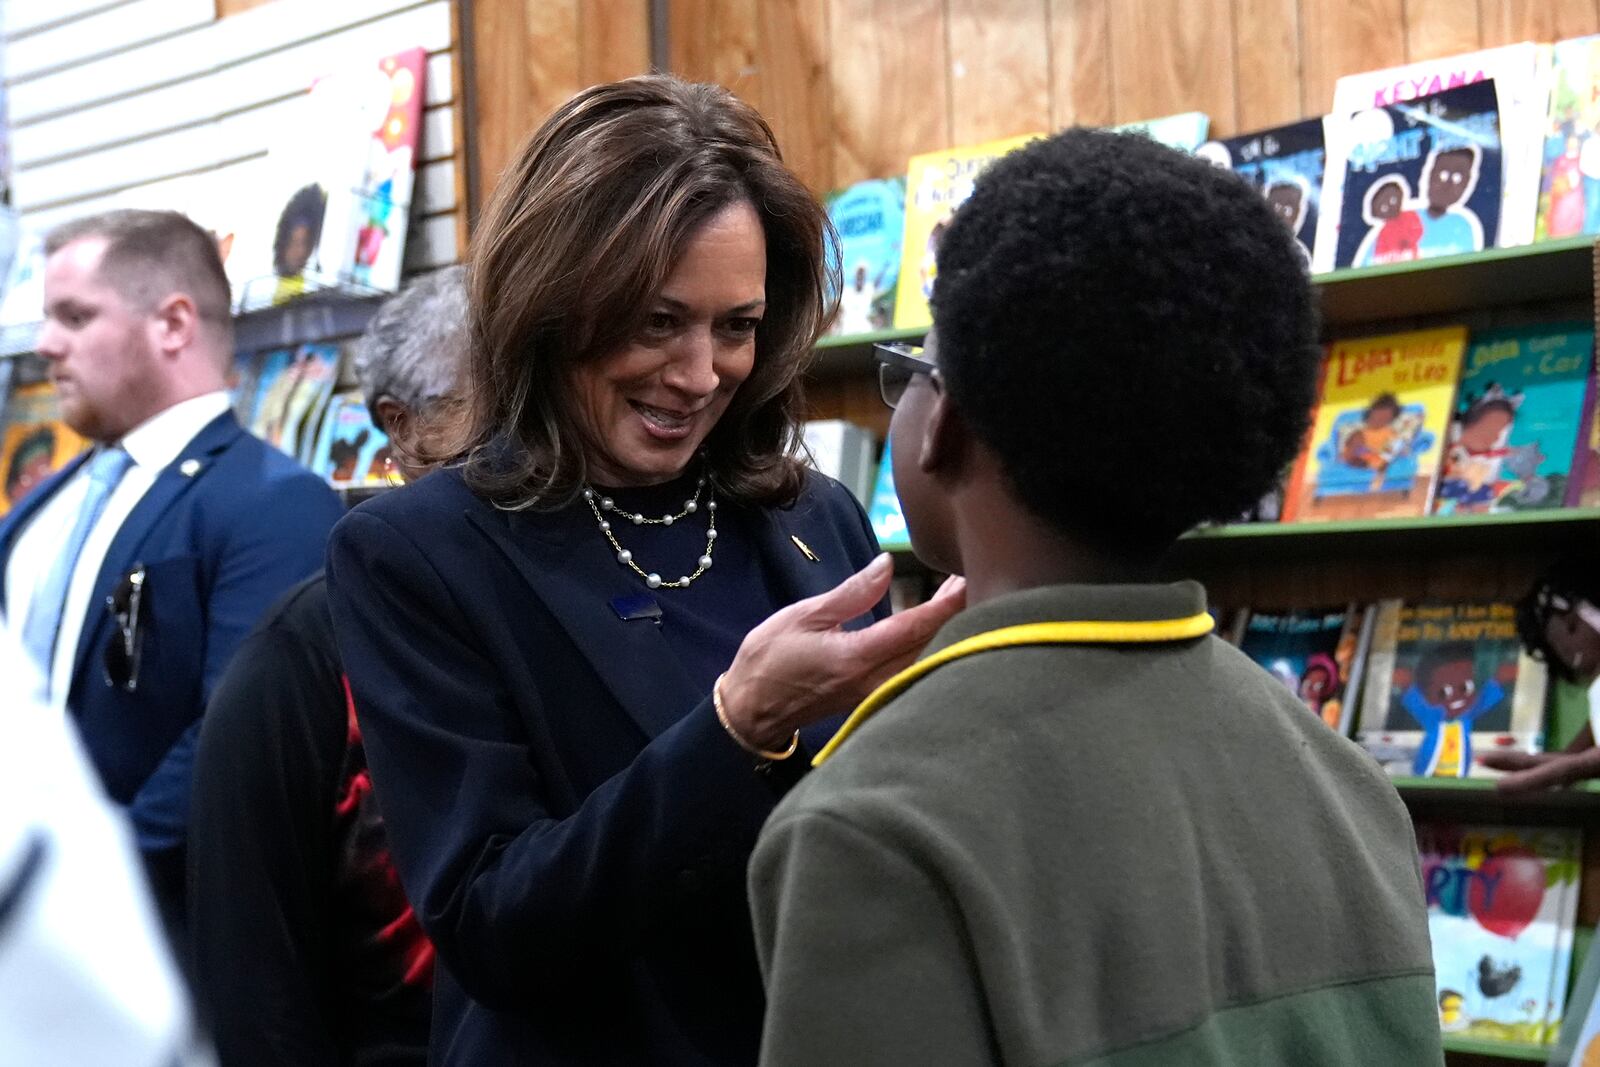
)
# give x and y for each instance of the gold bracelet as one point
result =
(722, 717)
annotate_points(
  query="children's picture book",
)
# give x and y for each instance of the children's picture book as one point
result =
(35, 442)
(337, 186)
(1375, 444)
(936, 184)
(1185, 132)
(1313, 653)
(1418, 179)
(1569, 184)
(1516, 427)
(265, 408)
(351, 452)
(1446, 681)
(1502, 905)
(869, 218)
(888, 523)
(1584, 489)
(1521, 74)
(1286, 163)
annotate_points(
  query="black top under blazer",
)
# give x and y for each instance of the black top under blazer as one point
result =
(567, 815)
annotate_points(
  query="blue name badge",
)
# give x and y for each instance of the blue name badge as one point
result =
(640, 606)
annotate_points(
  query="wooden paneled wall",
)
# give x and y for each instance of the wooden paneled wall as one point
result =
(854, 87)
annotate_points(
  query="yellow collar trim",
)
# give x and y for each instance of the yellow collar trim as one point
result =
(1081, 632)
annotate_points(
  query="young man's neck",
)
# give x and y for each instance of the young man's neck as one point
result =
(1007, 549)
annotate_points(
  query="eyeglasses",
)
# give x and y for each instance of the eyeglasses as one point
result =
(126, 648)
(898, 364)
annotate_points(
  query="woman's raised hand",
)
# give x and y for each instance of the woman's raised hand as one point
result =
(800, 665)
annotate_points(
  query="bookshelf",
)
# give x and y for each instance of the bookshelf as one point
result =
(1307, 564)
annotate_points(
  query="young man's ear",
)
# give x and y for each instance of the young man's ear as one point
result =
(176, 321)
(945, 438)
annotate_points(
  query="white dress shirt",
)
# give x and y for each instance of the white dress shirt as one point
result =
(152, 446)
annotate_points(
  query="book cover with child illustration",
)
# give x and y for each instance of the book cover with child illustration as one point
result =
(1521, 77)
(1516, 428)
(1446, 681)
(1380, 425)
(1420, 179)
(936, 184)
(34, 444)
(869, 217)
(1313, 653)
(1502, 905)
(337, 182)
(351, 451)
(1286, 163)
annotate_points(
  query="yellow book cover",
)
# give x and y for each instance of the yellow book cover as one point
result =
(936, 184)
(34, 444)
(1380, 427)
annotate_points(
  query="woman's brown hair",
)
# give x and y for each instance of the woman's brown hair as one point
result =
(581, 235)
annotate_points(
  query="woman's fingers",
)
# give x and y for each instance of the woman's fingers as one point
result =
(854, 596)
(906, 632)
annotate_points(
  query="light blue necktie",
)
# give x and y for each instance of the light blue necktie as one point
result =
(43, 623)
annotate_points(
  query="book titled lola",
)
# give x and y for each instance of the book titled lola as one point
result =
(1383, 412)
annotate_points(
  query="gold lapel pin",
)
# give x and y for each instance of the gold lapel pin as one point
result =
(189, 468)
(805, 549)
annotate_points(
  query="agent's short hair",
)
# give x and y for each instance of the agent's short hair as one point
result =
(152, 254)
(1132, 331)
(414, 347)
(583, 231)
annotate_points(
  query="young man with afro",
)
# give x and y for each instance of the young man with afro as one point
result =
(1081, 829)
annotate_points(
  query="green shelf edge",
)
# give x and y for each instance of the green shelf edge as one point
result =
(1445, 263)
(1547, 517)
(1503, 1049)
(1486, 786)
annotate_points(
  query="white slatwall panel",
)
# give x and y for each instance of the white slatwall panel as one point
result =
(19, 17)
(113, 106)
(67, 43)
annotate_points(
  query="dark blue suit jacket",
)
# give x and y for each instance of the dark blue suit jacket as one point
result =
(568, 817)
(220, 540)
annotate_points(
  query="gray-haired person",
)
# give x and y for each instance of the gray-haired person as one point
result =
(305, 948)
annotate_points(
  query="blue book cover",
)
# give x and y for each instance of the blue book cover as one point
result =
(1286, 164)
(1517, 420)
(869, 218)
(888, 524)
(1502, 903)
(1311, 653)
(1422, 178)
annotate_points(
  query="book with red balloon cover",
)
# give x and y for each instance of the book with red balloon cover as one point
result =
(1502, 903)
(1446, 681)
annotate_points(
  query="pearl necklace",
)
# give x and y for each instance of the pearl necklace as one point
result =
(604, 505)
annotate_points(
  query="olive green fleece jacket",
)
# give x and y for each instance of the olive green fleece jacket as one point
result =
(1093, 854)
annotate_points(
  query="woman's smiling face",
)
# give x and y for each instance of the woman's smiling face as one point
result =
(647, 408)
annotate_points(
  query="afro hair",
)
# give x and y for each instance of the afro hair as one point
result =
(1131, 330)
(1568, 582)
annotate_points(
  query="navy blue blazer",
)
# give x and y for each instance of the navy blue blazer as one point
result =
(567, 815)
(223, 532)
